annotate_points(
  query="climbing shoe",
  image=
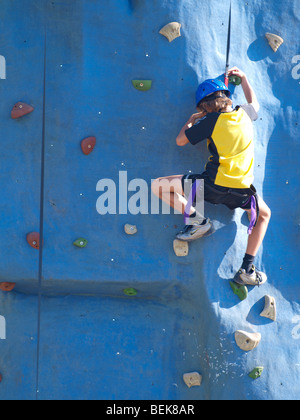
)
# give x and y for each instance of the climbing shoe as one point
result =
(195, 231)
(253, 278)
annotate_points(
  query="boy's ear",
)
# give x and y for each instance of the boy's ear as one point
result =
(202, 110)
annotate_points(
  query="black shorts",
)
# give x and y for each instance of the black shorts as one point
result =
(215, 194)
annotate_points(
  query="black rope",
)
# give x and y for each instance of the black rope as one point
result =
(228, 47)
(228, 39)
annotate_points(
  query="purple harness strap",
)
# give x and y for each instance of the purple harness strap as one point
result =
(191, 200)
(253, 215)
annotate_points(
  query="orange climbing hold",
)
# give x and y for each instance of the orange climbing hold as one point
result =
(21, 109)
(88, 144)
(7, 287)
(33, 239)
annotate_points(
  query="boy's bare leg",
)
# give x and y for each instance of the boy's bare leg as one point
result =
(169, 189)
(256, 238)
(248, 273)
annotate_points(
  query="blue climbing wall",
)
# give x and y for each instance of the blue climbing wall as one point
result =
(95, 342)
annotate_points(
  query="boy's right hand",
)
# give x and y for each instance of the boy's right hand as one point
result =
(248, 91)
(234, 71)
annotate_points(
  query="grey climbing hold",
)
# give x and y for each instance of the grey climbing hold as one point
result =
(274, 41)
(256, 372)
(247, 341)
(171, 31)
(270, 308)
(192, 379)
(181, 248)
(130, 229)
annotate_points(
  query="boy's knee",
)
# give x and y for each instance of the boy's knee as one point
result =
(265, 213)
(166, 185)
(155, 186)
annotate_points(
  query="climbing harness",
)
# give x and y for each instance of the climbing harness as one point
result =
(251, 191)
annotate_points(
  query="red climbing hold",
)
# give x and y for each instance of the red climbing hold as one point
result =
(33, 239)
(21, 109)
(88, 144)
(7, 287)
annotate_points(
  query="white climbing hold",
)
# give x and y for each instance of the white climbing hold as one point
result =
(181, 248)
(270, 308)
(171, 31)
(192, 379)
(274, 41)
(130, 229)
(247, 341)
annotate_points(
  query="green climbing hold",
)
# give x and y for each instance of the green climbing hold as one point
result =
(80, 243)
(130, 292)
(256, 372)
(142, 84)
(239, 290)
(235, 80)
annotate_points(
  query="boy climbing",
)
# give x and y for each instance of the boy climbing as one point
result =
(228, 175)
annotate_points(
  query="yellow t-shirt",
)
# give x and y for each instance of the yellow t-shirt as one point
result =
(230, 141)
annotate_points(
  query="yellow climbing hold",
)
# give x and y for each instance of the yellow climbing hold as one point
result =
(270, 308)
(192, 379)
(130, 229)
(274, 41)
(247, 341)
(181, 248)
(171, 31)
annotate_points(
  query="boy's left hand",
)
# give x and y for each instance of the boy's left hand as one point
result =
(195, 117)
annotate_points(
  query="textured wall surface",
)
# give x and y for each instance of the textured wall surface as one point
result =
(95, 342)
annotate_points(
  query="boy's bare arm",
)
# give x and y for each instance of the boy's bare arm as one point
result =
(182, 139)
(248, 91)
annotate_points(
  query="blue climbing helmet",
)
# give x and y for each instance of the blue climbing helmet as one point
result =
(210, 86)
